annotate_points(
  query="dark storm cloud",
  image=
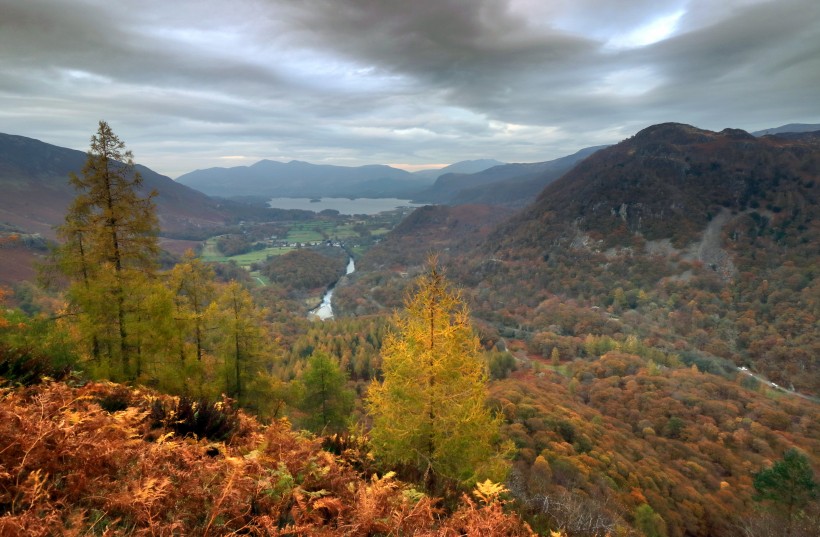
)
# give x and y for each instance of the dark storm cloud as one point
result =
(352, 81)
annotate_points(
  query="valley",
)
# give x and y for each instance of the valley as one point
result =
(647, 324)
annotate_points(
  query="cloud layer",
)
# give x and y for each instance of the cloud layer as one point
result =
(194, 84)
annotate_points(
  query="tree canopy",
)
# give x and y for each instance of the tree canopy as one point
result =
(429, 412)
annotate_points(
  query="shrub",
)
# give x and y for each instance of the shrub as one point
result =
(216, 421)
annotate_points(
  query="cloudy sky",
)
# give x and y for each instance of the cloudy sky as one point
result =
(194, 84)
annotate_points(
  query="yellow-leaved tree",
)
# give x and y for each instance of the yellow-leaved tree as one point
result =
(429, 413)
(110, 254)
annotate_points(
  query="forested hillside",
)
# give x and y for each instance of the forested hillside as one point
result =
(635, 354)
(668, 283)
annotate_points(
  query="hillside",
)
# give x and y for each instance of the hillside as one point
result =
(105, 459)
(652, 321)
(514, 185)
(295, 179)
(708, 239)
(790, 128)
(34, 178)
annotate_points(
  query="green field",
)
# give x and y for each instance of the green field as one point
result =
(301, 232)
(212, 254)
(322, 230)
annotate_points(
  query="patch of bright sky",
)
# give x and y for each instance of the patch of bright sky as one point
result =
(416, 167)
(653, 32)
(504, 129)
(324, 71)
(82, 77)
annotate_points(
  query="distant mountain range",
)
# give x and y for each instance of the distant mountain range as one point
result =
(791, 127)
(465, 166)
(297, 179)
(513, 185)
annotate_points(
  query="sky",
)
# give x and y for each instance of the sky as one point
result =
(192, 84)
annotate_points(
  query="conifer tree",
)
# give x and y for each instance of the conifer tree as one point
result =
(192, 282)
(325, 400)
(240, 339)
(429, 413)
(110, 238)
(789, 483)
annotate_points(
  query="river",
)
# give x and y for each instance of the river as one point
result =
(325, 309)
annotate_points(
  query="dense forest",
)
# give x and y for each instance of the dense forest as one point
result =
(633, 354)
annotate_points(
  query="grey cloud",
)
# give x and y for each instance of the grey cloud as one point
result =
(358, 81)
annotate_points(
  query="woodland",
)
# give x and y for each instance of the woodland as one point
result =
(634, 354)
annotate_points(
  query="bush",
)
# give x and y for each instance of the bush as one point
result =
(216, 421)
(28, 367)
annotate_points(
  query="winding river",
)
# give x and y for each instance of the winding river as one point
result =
(325, 309)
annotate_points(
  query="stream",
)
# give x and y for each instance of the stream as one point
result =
(325, 309)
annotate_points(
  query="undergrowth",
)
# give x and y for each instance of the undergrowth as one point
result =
(70, 467)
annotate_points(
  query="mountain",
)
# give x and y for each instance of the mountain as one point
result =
(791, 127)
(465, 166)
(269, 178)
(653, 324)
(506, 184)
(719, 230)
(670, 180)
(726, 219)
(36, 191)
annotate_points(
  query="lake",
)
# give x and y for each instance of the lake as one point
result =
(343, 205)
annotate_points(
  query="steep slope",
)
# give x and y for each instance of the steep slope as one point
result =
(650, 300)
(709, 240)
(269, 178)
(508, 184)
(107, 459)
(34, 179)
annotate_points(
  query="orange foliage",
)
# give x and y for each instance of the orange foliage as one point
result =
(68, 467)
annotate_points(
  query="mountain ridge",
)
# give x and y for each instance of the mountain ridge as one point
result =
(271, 178)
(35, 175)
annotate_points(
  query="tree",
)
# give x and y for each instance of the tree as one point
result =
(192, 282)
(240, 339)
(325, 400)
(109, 246)
(429, 413)
(789, 483)
(649, 522)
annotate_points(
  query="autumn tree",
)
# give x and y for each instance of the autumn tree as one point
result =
(239, 340)
(429, 412)
(192, 283)
(109, 249)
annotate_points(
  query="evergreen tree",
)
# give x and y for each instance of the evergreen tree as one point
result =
(325, 400)
(789, 484)
(109, 247)
(192, 282)
(239, 339)
(429, 413)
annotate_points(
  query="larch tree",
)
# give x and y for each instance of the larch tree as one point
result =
(192, 282)
(325, 399)
(109, 247)
(239, 339)
(429, 412)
